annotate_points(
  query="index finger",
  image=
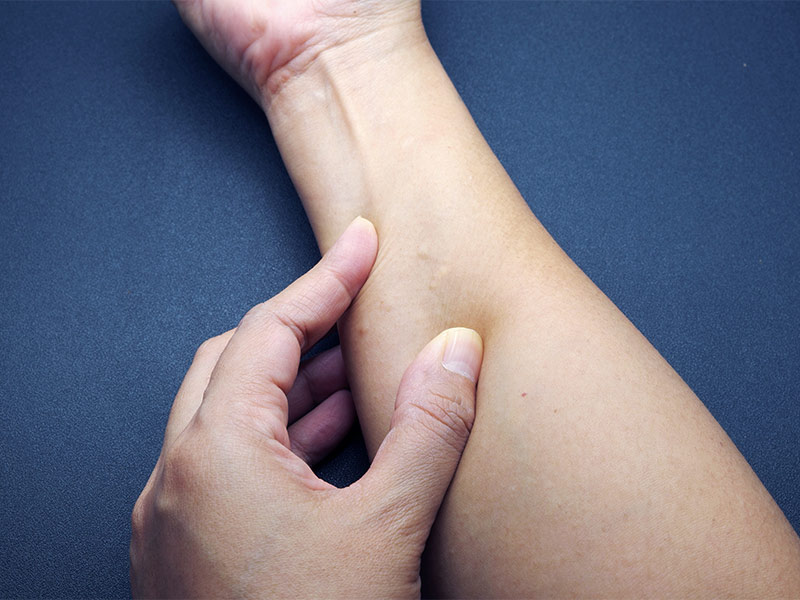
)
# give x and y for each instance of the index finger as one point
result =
(259, 364)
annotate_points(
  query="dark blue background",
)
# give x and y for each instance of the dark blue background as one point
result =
(145, 208)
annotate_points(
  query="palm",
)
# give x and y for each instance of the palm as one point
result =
(252, 39)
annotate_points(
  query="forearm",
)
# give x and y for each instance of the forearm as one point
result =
(403, 152)
(592, 468)
(386, 134)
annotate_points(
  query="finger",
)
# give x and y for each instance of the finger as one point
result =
(315, 435)
(318, 378)
(259, 365)
(190, 394)
(432, 419)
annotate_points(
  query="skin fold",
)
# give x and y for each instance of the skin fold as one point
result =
(592, 469)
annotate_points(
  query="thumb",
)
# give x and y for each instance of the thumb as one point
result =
(432, 419)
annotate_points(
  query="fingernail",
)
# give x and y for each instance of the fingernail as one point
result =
(463, 352)
(357, 223)
(361, 222)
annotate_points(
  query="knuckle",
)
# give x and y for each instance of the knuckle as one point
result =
(445, 415)
(141, 529)
(210, 347)
(276, 315)
(340, 281)
(254, 415)
(260, 317)
(397, 523)
(308, 303)
(138, 516)
(192, 469)
(255, 408)
(183, 467)
(294, 318)
(260, 311)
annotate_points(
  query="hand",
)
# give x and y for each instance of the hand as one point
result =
(263, 43)
(232, 508)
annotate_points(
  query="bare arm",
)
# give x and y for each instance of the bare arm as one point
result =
(592, 468)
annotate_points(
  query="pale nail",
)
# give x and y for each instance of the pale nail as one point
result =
(463, 352)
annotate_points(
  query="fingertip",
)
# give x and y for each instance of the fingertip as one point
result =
(434, 414)
(360, 232)
(353, 254)
(463, 352)
(364, 224)
(458, 350)
(446, 368)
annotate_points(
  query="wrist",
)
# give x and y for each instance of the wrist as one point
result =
(346, 62)
(337, 119)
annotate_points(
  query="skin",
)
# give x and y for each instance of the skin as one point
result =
(592, 469)
(233, 509)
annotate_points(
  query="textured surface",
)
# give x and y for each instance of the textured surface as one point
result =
(145, 208)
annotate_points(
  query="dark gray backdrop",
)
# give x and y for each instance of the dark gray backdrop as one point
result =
(145, 208)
